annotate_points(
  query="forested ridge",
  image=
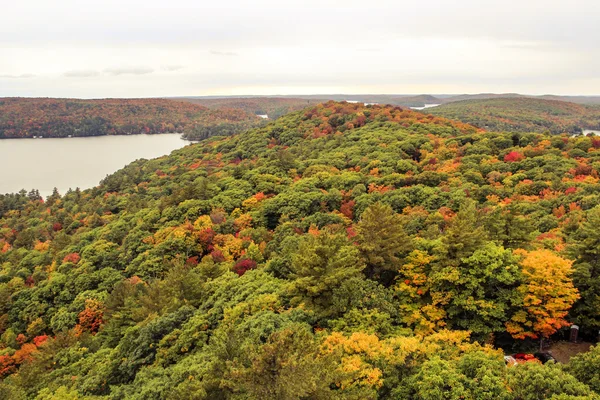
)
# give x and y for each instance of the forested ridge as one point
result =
(273, 107)
(44, 117)
(340, 252)
(523, 114)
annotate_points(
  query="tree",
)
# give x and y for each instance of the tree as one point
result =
(585, 367)
(547, 294)
(479, 292)
(287, 367)
(586, 276)
(534, 381)
(382, 241)
(321, 263)
(464, 234)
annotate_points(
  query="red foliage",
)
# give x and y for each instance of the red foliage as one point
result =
(582, 169)
(351, 232)
(260, 196)
(72, 258)
(217, 256)
(57, 226)
(347, 208)
(39, 340)
(513, 156)
(571, 190)
(7, 365)
(241, 266)
(192, 261)
(206, 236)
(90, 318)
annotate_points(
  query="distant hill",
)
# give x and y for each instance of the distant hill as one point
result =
(281, 104)
(273, 107)
(45, 117)
(297, 102)
(522, 114)
(482, 96)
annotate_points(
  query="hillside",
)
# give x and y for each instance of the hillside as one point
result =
(277, 105)
(273, 107)
(42, 117)
(340, 252)
(589, 100)
(522, 115)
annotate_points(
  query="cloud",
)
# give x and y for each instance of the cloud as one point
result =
(22, 76)
(128, 71)
(81, 74)
(223, 53)
(171, 68)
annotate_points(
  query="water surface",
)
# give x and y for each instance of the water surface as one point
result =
(74, 162)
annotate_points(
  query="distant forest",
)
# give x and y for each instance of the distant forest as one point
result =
(41, 117)
(522, 115)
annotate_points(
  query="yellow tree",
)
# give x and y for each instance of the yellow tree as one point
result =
(547, 295)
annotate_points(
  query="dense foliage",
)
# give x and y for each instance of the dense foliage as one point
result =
(41, 117)
(523, 115)
(340, 252)
(273, 107)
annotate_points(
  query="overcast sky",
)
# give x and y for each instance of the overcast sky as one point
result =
(149, 48)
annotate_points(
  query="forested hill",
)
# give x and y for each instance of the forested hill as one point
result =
(339, 252)
(523, 115)
(43, 117)
(273, 107)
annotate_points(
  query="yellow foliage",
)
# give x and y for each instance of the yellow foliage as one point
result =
(548, 294)
(42, 246)
(203, 222)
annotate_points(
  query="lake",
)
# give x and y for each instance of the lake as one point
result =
(589, 131)
(425, 106)
(75, 162)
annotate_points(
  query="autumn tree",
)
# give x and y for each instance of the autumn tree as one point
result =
(547, 293)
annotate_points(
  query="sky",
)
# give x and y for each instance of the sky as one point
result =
(155, 48)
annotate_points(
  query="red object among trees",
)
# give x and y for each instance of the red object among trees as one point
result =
(244, 265)
(513, 156)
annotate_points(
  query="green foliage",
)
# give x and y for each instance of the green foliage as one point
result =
(321, 263)
(533, 381)
(585, 368)
(323, 255)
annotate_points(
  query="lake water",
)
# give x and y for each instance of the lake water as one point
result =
(425, 106)
(74, 162)
(588, 131)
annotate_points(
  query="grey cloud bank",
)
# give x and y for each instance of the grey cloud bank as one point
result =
(134, 48)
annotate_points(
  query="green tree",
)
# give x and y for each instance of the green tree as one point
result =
(534, 381)
(586, 276)
(321, 263)
(585, 367)
(382, 242)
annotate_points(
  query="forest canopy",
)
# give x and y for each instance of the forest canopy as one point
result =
(42, 117)
(340, 252)
(523, 115)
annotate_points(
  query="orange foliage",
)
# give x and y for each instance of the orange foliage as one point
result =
(548, 294)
